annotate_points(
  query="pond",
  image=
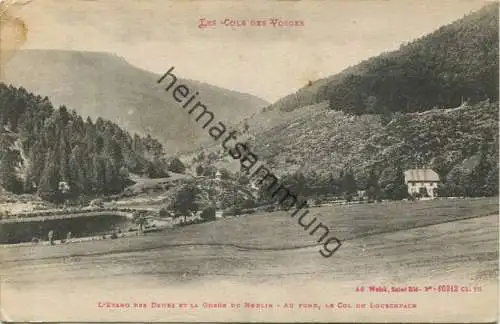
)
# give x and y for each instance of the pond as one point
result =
(11, 233)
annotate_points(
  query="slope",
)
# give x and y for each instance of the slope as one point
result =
(457, 62)
(100, 84)
(58, 155)
(322, 139)
(442, 126)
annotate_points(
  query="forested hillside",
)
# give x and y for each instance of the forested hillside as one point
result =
(456, 63)
(105, 85)
(317, 148)
(431, 104)
(59, 155)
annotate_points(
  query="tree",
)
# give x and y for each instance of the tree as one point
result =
(114, 151)
(113, 182)
(64, 153)
(443, 190)
(491, 183)
(208, 214)
(140, 220)
(349, 186)
(212, 157)
(199, 170)
(201, 157)
(124, 173)
(478, 178)
(243, 180)
(296, 183)
(209, 171)
(153, 147)
(155, 169)
(176, 166)
(395, 187)
(248, 203)
(334, 185)
(49, 182)
(373, 188)
(224, 174)
(185, 200)
(78, 182)
(9, 159)
(370, 104)
(164, 213)
(98, 175)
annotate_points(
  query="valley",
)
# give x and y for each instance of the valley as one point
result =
(116, 205)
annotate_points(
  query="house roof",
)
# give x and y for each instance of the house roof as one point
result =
(421, 175)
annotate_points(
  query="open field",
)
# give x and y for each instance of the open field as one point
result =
(278, 231)
(437, 242)
(142, 184)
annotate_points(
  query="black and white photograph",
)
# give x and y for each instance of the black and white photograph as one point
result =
(249, 161)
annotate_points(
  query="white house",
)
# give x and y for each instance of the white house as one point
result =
(416, 179)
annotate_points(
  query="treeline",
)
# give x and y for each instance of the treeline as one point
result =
(481, 181)
(60, 156)
(456, 63)
(389, 183)
(348, 184)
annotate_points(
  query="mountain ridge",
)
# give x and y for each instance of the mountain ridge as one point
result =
(321, 89)
(100, 84)
(308, 132)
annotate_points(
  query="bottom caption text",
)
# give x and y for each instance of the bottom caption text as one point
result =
(253, 306)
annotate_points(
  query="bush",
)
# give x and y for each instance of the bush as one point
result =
(164, 213)
(225, 174)
(248, 204)
(209, 171)
(243, 180)
(176, 166)
(208, 214)
(233, 211)
(270, 208)
(191, 222)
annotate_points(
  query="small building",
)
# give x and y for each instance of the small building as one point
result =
(422, 182)
(218, 175)
(361, 194)
(254, 187)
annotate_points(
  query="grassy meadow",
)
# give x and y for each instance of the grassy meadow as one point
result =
(269, 258)
(277, 230)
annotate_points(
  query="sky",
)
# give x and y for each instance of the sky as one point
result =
(269, 62)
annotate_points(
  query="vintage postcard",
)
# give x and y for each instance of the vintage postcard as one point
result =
(249, 161)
